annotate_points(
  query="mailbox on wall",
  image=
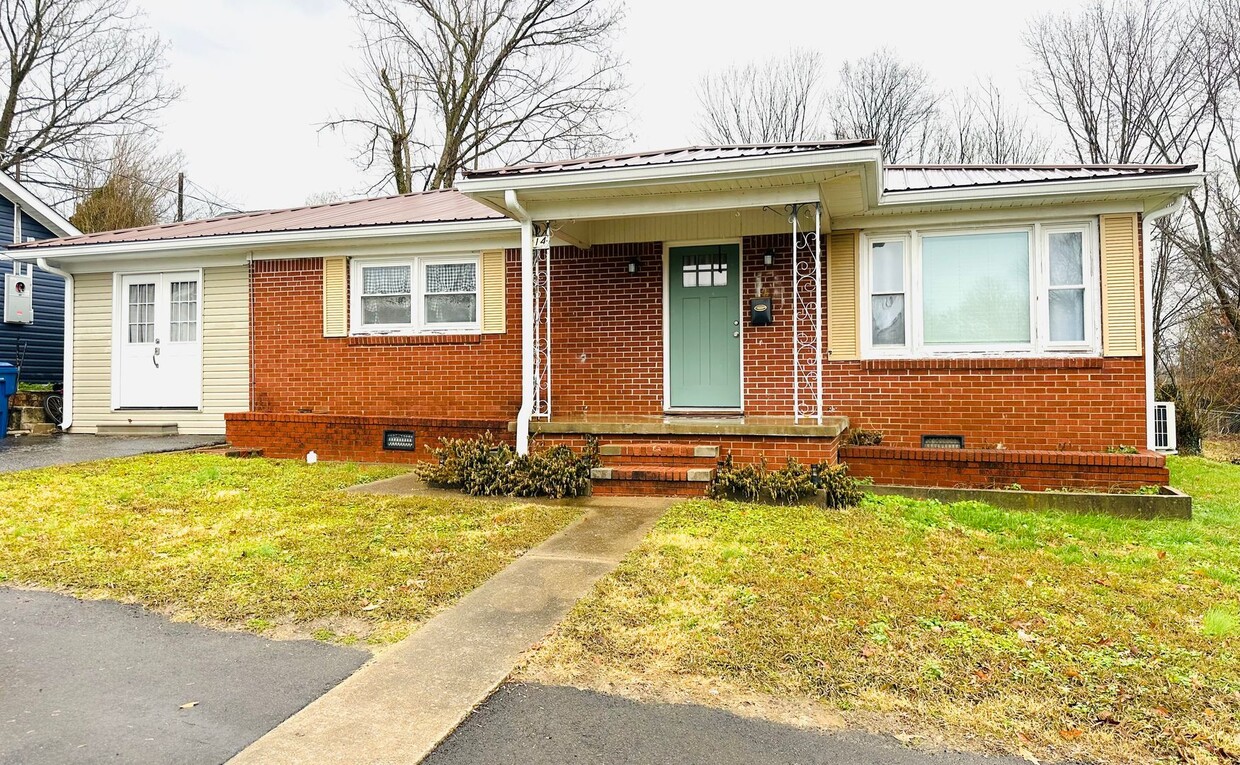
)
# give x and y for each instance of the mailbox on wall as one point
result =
(18, 299)
(760, 312)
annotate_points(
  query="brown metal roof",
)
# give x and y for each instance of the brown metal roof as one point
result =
(899, 178)
(668, 157)
(448, 206)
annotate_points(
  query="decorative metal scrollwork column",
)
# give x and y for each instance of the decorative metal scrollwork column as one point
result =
(542, 320)
(806, 314)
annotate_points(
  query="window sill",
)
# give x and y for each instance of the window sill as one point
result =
(985, 362)
(460, 338)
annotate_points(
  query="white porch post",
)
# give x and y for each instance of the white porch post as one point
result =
(542, 321)
(806, 317)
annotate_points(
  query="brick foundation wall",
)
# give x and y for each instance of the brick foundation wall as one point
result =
(988, 469)
(342, 437)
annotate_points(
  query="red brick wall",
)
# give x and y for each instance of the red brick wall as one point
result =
(607, 342)
(1033, 470)
(341, 437)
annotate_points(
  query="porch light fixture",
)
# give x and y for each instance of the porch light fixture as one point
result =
(632, 268)
(768, 257)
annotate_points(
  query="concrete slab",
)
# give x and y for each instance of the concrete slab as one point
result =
(98, 681)
(29, 452)
(542, 724)
(398, 707)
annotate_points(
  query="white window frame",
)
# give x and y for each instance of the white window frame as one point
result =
(867, 281)
(417, 284)
(1039, 281)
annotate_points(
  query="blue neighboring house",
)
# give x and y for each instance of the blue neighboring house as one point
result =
(39, 346)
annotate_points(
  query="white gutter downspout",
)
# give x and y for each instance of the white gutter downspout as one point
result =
(526, 412)
(66, 419)
(1147, 249)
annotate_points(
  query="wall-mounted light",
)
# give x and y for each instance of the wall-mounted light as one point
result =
(633, 265)
(768, 257)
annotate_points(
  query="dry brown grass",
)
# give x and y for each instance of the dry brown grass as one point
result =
(271, 546)
(1050, 636)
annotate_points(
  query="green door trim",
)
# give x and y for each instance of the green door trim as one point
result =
(722, 394)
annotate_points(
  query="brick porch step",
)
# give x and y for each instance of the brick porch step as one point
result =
(659, 455)
(650, 480)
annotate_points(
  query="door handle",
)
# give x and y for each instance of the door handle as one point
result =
(155, 355)
(736, 334)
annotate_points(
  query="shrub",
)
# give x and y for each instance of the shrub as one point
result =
(484, 467)
(863, 437)
(793, 483)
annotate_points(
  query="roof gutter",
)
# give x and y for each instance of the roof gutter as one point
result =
(210, 243)
(1172, 182)
(66, 419)
(526, 412)
(1147, 248)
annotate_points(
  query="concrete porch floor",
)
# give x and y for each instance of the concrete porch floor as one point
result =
(688, 424)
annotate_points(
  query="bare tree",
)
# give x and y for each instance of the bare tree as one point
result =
(980, 126)
(390, 90)
(883, 98)
(460, 82)
(77, 72)
(134, 186)
(776, 101)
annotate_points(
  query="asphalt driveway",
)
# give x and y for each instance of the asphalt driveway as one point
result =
(27, 452)
(524, 723)
(97, 681)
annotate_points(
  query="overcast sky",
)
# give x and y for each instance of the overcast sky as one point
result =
(260, 76)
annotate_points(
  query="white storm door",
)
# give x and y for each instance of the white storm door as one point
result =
(159, 341)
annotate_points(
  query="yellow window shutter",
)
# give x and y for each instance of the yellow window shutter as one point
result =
(1121, 285)
(843, 339)
(494, 317)
(335, 297)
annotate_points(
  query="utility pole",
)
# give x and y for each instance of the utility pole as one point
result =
(180, 197)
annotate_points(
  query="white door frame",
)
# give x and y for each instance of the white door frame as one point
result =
(118, 326)
(667, 306)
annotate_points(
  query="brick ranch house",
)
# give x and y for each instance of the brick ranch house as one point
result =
(764, 301)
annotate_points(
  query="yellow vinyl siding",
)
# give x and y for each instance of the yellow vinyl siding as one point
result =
(225, 354)
(494, 308)
(843, 314)
(335, 297)
(1121, 285)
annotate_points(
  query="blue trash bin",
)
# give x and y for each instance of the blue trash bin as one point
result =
(8, 386)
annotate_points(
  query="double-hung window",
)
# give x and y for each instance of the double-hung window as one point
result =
(888, 280)
(1000, 290)
(412, 295)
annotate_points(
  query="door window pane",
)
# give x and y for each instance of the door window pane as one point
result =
(141, 322)
(387, 295)
(451, 293)
(976, 289)
(705, 270)
(183, 312)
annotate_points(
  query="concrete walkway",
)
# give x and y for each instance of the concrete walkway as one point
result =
(398, 707)
(28, 452)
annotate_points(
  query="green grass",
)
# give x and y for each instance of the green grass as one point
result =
(1060, 636)
(270, 546)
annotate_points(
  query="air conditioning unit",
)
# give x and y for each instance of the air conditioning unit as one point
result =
(1164, 426)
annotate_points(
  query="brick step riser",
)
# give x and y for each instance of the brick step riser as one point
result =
(687, 489)
(658, 451)
(634, 461)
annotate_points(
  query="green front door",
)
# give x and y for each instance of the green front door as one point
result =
(704, 301)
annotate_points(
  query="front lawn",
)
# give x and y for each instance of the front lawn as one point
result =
(275, 547)
(1053, 637)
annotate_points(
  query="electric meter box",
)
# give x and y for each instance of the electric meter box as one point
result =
(18, 299)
